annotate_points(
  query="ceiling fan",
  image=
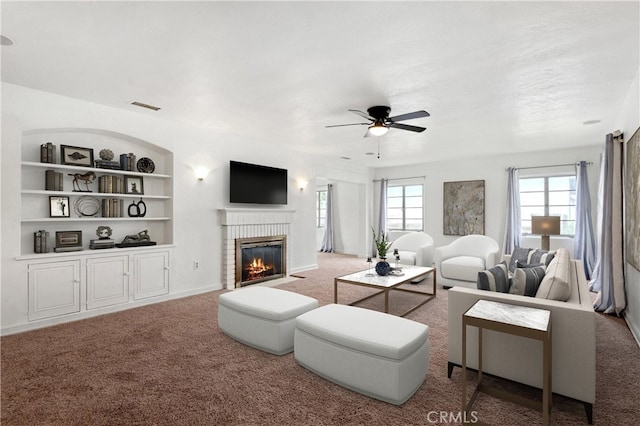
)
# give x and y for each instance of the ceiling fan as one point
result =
(380, 122)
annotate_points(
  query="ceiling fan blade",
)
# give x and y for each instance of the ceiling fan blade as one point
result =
(362, 114)
(352, 124)
(367, 134)
(407, 127)
(409, 116)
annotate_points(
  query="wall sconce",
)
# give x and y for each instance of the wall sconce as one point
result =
(302, 184)
(201, 172)
(545, 226)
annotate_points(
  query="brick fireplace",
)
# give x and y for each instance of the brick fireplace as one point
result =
(258, 227)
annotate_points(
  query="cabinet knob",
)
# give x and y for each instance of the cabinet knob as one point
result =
(76, 281)
(126, 274)
(166, 268)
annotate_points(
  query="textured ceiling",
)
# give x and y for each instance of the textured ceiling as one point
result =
(495, 76)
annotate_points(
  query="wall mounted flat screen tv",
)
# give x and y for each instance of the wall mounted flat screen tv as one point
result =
(256, 184)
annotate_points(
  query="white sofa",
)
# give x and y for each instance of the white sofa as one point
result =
(414, 248)
(520, 359)
(458, 263)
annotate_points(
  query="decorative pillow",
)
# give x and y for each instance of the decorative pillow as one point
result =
(541, 256)
(528, 265)
(494, 279)
(527, 280)
(555, 284)
(519, 254)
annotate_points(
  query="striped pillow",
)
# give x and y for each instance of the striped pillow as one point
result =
(519, 254)
(541, 256)
(494, 279)
(527, 280)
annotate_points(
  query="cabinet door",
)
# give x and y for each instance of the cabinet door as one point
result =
(151, 274)
(107, 281)
(54, 289)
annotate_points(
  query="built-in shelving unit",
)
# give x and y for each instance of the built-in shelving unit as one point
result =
(157, 191)
(90, 281)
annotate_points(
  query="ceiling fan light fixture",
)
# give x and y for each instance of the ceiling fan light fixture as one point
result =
(378, 129)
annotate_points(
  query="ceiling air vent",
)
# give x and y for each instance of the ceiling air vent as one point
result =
(143, 105)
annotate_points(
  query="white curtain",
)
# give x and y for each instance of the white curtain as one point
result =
(512, 227)
(382, 212)
(327, 241)
(584, 243)
(608, 275)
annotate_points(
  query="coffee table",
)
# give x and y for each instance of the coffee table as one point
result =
(387, 283)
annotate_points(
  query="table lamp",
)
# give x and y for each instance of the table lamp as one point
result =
(545, 226)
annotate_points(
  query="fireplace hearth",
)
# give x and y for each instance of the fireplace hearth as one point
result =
(260, 259)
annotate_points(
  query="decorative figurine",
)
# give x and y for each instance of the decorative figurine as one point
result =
(103, 241)
(86, 178)
(142, 238)
(106, 154)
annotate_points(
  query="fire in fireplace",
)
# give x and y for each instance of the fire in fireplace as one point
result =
(260, 259)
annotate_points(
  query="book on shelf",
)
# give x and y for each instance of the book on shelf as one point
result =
(128, 162)
(108, 184)
(104, 164)
(47, 153)
(53, 181)
(102, 244)
(112, 207)
(41, 242)
(66, 249)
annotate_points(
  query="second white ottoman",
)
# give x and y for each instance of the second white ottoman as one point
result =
(373, 353)
(262, 317)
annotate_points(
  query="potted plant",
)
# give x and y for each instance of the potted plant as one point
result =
(382, 246)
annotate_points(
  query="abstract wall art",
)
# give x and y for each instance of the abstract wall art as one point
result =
(632, 200)
(463, 208)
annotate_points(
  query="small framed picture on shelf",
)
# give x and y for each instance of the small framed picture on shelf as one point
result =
(133, 185)
(59, 207)
(76, 156)
(68, 239)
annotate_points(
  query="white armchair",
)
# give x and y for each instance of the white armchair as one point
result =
(414, 248)
(458, 263)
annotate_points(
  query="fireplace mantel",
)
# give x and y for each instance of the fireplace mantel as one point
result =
(248, 216)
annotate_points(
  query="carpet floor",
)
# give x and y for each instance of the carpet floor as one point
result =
(169, 364)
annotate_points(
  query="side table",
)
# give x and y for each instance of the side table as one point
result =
(517, 320)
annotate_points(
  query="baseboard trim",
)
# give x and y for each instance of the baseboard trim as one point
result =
(303, 269)
(44, 323)
(634, 331)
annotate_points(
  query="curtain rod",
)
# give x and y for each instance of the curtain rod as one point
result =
(553, 165)
(412, 177)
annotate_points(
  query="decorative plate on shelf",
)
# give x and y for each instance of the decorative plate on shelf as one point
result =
(145, 165)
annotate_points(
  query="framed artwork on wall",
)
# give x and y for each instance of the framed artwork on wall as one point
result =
(632, 200)
(463, 208)
(76, 156)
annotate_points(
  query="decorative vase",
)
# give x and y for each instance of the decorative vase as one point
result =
(383, 267)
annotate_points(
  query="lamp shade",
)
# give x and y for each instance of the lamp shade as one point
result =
(545, 225)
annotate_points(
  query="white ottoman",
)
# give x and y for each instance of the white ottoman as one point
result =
(373, 353)
(262, 317)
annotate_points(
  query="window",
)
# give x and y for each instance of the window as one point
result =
(404, 208)
(321, 208)
(549, 196)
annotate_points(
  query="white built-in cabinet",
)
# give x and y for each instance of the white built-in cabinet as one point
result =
(54, 289)
(107, 281)
(83, 282)
(77, 283)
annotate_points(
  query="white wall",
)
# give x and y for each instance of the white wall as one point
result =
(628, 122)
(197, 232)
(491, 169)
